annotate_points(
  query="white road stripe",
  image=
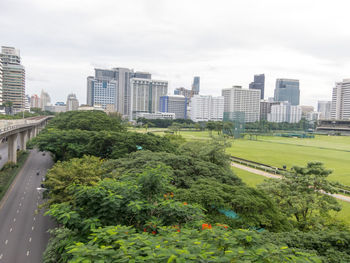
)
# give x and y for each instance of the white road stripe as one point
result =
(11, 229)
(14, 220)
(27, 253)
(1, 256)
(32, 228)
(6, 242)
(17, 211)
(30, 239)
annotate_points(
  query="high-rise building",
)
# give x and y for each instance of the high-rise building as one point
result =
(110, 88)
(45, 99)
(287, 90)
(207, 108)
(324, 108)
(265, 108)
(145, 95)
(102, 91)
(259, 83)
(27, 103)
(243, 102)
(195, 86)
(72, 102)
(13, 78)
(184, 92)
(35, 101)
(285, 112)
(174, 104)
(341, 100)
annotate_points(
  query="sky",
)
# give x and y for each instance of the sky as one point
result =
(225, 42)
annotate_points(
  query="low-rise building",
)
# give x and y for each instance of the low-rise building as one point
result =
(156, 115)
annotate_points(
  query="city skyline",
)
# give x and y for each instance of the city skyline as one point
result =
(177, 40)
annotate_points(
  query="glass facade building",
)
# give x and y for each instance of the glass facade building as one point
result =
(287, 90)
(259, 83)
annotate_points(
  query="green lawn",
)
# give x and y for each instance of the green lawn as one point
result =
(333, 151)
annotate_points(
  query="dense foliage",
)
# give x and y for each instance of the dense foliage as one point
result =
(129, 197)
(86, 120)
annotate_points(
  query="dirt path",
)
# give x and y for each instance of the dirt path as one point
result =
(269, 175)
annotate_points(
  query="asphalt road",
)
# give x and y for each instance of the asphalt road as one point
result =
(23, 228)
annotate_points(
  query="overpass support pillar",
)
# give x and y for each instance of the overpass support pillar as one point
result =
(12, 148)
(23, 138)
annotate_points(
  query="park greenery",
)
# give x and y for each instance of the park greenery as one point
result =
(121, 196)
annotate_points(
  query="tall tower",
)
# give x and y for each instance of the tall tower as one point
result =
(13, 78)
(287, 90)
(195, 86)
(341, 100)
(259, 83)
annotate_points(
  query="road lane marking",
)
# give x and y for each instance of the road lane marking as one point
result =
(1, 256)
(6, 242)
(32, 228)
(14, 220)
(20, 204)
(17, 211)
(27, 253)
(11, 229)
(30, 239)
(34, 218)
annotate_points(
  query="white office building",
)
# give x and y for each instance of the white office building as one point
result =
(207, 108)
(243, 101)
(341, 101)
(285, 112)
(324, 108)
(145, 95)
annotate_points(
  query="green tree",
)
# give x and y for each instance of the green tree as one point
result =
(303, 194)
(85, 171)
(86, 120)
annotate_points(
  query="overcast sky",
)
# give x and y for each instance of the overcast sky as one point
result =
(223, 42)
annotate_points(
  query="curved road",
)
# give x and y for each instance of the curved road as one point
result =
(23, 228)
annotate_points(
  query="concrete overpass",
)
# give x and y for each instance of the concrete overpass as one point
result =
(22, 130)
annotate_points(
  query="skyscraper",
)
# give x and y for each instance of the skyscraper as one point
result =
(145, 95)
(341, 100)
(259, 83)
(45, 99)
(72, 102)
(243, 102)
(324, 108)
(13, 77)
(287, 90)
(195, 86)
(110, 88)
(174, 104)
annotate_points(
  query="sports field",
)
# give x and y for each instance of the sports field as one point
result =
(333, 151)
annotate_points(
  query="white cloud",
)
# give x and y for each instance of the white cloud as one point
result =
(225, 42)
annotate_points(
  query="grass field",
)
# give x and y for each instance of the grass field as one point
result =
(333, 151)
